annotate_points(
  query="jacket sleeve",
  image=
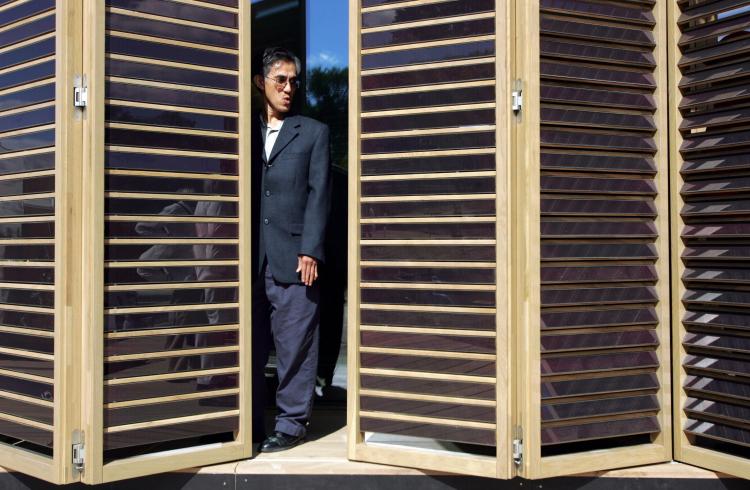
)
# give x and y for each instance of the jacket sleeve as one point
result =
(318, 198)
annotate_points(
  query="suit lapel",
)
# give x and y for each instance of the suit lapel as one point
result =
(289, 131)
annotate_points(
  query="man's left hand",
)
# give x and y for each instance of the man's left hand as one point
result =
(308, 269)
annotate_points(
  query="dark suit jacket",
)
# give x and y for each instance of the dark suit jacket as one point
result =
(291, 196)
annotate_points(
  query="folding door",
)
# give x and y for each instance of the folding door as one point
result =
(39, 135)
(168, 241)
(429, 138)
(593, 236)
(710, 56)
(512, 235)
(124, 200)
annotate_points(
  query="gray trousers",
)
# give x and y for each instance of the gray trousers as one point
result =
(287, 315)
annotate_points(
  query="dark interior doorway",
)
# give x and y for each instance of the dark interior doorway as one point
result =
(316, 30)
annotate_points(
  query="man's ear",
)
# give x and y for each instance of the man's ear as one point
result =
(258, 80)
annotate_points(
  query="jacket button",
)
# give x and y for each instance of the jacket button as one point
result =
(268, 193)
(265, 221)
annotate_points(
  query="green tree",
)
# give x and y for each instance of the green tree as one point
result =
(327, 94)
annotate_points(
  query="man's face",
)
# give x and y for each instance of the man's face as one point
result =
(278, 96)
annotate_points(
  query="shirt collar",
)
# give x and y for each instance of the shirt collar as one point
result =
(265, 126)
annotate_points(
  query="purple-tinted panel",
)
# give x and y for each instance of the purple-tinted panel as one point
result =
(24, 10)
(28, 141)
(428, 364)
(156, 343)
(22, 98)
(174, 119)
(130, 137)
(175, 364)
(170, 52)
(483, 391)
(27, 53)
(450, 343)
(402, 231)
(483, 71)
(424, 12)
(181, 386)
(431, 319)
(597, 341)
(441, 297)
(454, 411)
(159, 411)
(471, 185)
(169, 163)
(148, 321)
(599, 430)
(27, 75)
(429, 33)
(484, 207)
(594, 386)
(169, 30)
(166, 8)
(461, 253)
(577, 363)
(24, 319)
(598, 408)
(428, 274)
(183, 98)
(153, 435)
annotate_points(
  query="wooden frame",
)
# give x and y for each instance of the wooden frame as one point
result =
(355, 439)
(96, 471)
(527, 260)
(499, 466)
(67, 264)
(526, 238)
(505, 155)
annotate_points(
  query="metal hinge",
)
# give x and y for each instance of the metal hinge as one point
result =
(79, 451)
(518, 447)
(80, 92)
(517, 97)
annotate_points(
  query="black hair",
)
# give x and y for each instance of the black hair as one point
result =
(272, 55)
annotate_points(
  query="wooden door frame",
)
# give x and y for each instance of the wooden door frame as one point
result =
(501, 465)
(58, 469)
(93, 372)
(527, 261)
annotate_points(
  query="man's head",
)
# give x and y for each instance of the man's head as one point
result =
(277, 78)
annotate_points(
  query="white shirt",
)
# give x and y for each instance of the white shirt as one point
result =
(270, 135)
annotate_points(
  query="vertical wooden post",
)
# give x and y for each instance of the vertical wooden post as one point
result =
(526, 242)
(677, 289)
(352, 290)
(662, 242)
(504, 153)
(68, 227)
(244, 435)
(93, 242)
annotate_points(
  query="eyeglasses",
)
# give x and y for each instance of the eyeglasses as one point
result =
(282, 80)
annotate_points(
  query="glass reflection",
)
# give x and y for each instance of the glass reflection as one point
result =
(31, 96)
(163, 273)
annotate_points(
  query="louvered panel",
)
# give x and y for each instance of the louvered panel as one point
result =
(427, 213)
(172, 193)
(28, 255)
(715, 190)
(599, 211)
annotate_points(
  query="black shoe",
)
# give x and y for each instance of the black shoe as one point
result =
(280, 442)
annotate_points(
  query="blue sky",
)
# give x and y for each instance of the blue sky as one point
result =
(327, 33)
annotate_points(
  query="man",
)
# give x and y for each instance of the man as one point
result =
(291, 201)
